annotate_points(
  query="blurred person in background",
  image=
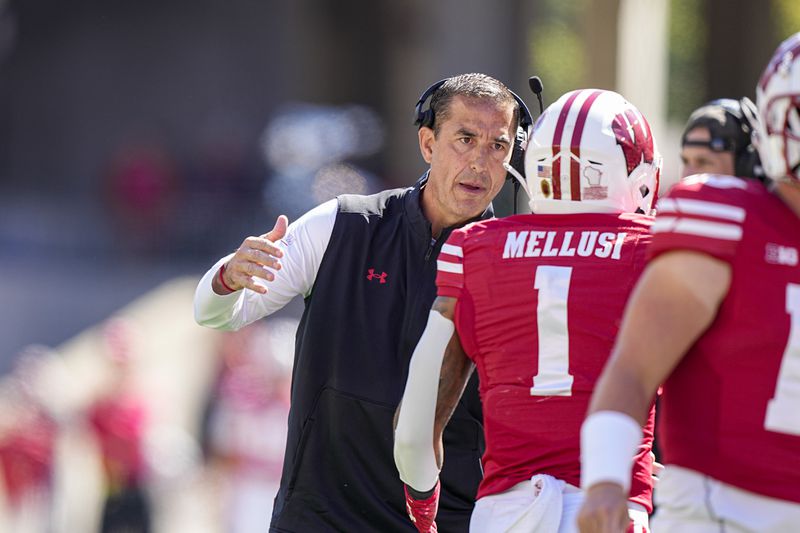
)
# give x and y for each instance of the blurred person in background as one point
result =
(312, 151)
(247, 424)
(716, 140)
(118, 419)
(715, 317)
(28, 432)
(366, 266)
(533, 302)
(142, 185)
(225, 179)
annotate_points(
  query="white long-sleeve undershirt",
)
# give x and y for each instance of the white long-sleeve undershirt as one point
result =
(303, 247)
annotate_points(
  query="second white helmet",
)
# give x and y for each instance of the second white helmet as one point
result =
(777, 126)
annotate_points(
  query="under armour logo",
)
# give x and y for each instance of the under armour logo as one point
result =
(372, 275)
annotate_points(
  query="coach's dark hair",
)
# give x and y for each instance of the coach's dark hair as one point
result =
(472, 85)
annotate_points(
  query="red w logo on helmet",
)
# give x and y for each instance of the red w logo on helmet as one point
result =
(634, 137)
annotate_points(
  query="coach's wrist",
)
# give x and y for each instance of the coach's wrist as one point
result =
(220, 284)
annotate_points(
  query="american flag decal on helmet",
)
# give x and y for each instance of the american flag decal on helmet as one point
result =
(543, 171)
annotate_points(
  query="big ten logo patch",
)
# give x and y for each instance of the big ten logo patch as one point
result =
(781, 255)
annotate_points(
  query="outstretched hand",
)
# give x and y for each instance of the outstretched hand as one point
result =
(257, 257)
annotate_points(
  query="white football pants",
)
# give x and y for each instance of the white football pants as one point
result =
(690, 502)
(542, 504)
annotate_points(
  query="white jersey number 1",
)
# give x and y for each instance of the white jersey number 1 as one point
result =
(553, 377)
(783, 410)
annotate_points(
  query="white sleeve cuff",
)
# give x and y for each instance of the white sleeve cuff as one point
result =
(212, 309)
(609, 440)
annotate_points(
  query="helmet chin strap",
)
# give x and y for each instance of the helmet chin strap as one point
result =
(521, 181)
(511, 170)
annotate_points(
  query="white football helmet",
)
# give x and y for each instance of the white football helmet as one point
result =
(777, 127)
(591, 151)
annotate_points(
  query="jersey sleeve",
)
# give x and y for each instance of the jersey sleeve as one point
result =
(704, 214)
(450, 266)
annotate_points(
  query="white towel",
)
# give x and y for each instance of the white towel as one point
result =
(533, 506)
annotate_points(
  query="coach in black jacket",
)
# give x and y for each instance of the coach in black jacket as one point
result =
(366, 267)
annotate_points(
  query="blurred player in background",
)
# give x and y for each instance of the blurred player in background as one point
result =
(28, 436)
(716, 140)
(247, 425)
(716, 315)
(534, 302)
(119, 419)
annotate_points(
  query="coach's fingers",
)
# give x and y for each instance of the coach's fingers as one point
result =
(260, 258)
(261, 243)
(250, 269)
(243, 276)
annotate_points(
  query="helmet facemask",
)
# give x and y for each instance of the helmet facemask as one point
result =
(776, 129)
(782, 136)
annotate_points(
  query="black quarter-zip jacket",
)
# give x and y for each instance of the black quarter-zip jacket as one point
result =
(366, 312)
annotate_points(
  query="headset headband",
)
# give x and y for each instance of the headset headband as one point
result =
(426, 118)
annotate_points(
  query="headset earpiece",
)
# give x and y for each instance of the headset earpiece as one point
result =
(423, 118)
(520, 139)
(747, 163)
(746, 160)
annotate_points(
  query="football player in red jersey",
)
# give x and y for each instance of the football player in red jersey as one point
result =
(716, 318)
(534, 302)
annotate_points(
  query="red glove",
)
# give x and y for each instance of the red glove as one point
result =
(423, 512)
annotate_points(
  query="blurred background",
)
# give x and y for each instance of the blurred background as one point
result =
(140, 141)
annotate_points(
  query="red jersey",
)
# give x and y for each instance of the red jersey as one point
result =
(540, 300)
(731, 408)
(119, 423)
(26, 455)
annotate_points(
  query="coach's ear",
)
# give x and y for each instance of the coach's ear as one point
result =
(426, 139)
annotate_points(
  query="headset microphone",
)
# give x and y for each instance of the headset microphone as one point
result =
(537, 87)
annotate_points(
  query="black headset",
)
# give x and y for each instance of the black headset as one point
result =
(747, 164)
(425, 118)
